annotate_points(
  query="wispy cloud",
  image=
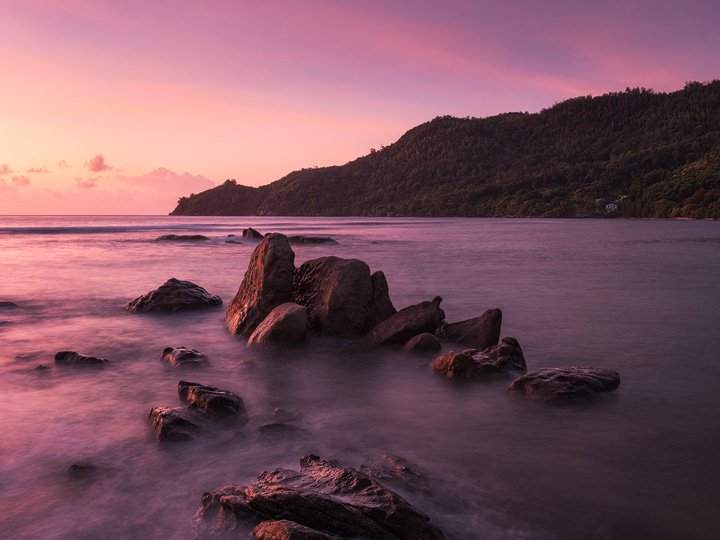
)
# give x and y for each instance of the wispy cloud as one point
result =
(98, 164)
(86, 183)
(5, 169)
(38, 170)
(62, 164)
(21, 180)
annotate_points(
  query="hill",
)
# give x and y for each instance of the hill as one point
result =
(636, 153)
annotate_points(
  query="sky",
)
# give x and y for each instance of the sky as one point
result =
(122, 106)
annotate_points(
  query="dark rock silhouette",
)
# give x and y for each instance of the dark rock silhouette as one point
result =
(302, 239)
(506, 357)
(268, 282)
(565, 383)
(8, 305)
(72, 358)
(423, 343)
(173, 296)
(479, 332)
(287, 323)
(183, 357)
(407, 323)
(321, 496)
(181, 238)
(251, 234)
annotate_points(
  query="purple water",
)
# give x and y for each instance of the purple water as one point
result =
(640, 297)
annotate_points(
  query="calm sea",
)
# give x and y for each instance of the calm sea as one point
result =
(640, 297)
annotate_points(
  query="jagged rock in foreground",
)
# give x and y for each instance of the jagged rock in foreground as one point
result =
(287, 323)
(507, 357)
(213, 402)
(183, 357)
(479, 332)
(425, 342)
(321, 496)
(268, 282)
(565, 383)
(283, 529)
(72, 358)
(252, 234)
(181, 238)
(407, 323)
(341, 296)
(173, 296)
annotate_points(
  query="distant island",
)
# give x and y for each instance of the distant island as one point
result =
(636, 153)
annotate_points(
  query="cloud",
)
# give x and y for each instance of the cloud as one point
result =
(4, 169)
(98, 164)
(86, 183)
(38, 170)
(62, 164)
(21, 180)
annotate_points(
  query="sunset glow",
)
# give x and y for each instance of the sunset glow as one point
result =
(122, 107)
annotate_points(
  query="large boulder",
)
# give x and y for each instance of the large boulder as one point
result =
(173, 296)
(322, 497)
(213, 402)
(287, 323)
(173, 424)
(282, 529)
(479, 332)
(183, 357)
(268, 282)
(425, 342)
(341, 296)
(407, 323)
(565, 383)
(506, 357)
(72, 358)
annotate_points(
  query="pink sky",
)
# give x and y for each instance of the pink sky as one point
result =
(218, 89)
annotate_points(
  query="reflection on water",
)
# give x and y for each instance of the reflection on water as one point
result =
(637, 296)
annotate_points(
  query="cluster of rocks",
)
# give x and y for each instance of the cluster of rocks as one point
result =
(253, 234)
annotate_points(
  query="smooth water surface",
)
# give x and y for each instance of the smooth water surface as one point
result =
(640, 297)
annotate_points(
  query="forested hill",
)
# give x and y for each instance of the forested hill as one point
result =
(635, 153)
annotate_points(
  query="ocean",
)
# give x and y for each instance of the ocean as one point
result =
(641, 297)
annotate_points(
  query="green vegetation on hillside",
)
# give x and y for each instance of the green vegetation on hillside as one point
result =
(635, 153)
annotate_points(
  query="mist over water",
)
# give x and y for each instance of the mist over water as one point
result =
(640, 297)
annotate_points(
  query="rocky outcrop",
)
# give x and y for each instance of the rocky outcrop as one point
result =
(72, 358)
(268, 282)
(181, 238)
(251, 234)
(407, 323)
(173, 296)
(340, 295)
(282, 529)
(182, 357)
(565, 383)
(425, 342)
(322, 497)
(213, 402)
(174, 424)
(313, 240)
(287, 323)
(506, 357)
(479, 332)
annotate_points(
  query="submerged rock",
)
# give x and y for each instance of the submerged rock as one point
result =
(268, 282)
(82, 470)
(282, 529)
(287, 323)
(177, 357)
(479, 332)
(232, 239)
(407, 323)
(321, 496)
(251, 234)
(302, 239)
(423, 343)
(340, 295)
(173, 296)
(507, 357)
(181, 238)
(213, 402)
(565, 383)
(72, 358)
(8, 305)
(173, 424)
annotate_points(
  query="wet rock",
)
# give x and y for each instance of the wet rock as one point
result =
(182, 357)
(173, 296)
(287, 323)
(251, 234)
(8, 305)
(393, 469)
(232, 239)
(181, 238)
(173, 424)
(321, 496)
(479, 332)
(407, 323)
(267, 283)
(340, 295)
(423, 343)
(71, 358)
(565, 383)
(506, 357)
(302, 239)
(42, 367)
(213, 402)
(283, 529)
